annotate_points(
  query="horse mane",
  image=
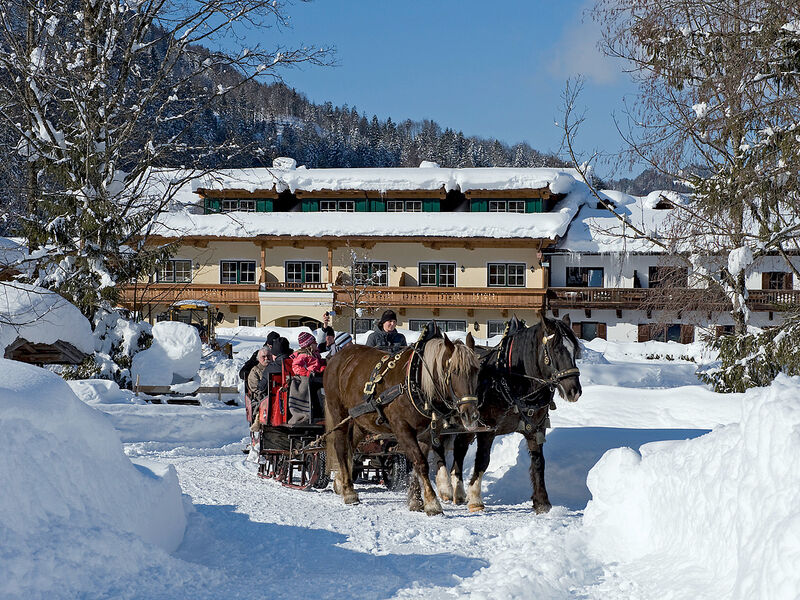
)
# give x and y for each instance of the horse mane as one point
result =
(461, 362)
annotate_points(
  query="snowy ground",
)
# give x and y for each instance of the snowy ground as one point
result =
(249, 538)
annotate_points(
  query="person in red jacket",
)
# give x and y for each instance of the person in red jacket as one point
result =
(307, 360)
(308, 365)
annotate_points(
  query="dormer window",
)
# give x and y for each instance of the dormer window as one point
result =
(337, 206)
(515, 206)
(238, 204)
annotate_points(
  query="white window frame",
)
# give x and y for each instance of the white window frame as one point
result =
(249, 319)
(438, 273)
(303, 270)
(524, 267)
(238, 263)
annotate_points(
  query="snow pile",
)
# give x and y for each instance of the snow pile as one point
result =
(173, 357)
(74, 509)
(739, 260)
(41, 317)
(725, 503)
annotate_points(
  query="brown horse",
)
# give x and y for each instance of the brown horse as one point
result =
(448, 385)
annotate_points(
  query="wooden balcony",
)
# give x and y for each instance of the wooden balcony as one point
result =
(656, 298)
(167, 293)
(444, 297)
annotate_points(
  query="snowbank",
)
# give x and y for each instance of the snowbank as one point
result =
(174, 356)
(41, 317)
(724, 506)
(73, 505)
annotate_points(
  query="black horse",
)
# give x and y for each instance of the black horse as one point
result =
(517, 381)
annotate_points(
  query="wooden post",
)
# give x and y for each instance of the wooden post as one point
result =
(136, 387)
(330, 264)
(263, 264)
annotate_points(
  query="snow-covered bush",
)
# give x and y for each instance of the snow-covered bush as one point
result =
(754, 359)
(117, 339)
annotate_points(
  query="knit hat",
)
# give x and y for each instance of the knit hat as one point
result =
(342, 339)
(271, 337)
(388, 315)
(305, 339)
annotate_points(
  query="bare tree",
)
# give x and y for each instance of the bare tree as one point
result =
(717, 109)
(357, 285)
(98, 93)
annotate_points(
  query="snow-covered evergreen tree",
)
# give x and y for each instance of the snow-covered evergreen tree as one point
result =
(96, 94)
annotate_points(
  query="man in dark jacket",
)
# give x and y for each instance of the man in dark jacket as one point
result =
(386, 337)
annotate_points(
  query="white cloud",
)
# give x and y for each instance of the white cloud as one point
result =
(576, 53)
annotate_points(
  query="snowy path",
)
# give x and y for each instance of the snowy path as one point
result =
(257, 535)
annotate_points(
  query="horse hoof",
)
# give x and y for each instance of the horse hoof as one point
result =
(433, 511)
(447, 498)
(351, 499)
(542, 508)
(476, 507)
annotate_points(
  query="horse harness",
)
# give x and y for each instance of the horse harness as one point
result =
(519, 404)
(410, 386)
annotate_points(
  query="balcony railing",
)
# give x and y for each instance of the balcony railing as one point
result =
(660, 298)
(438, 297)
(167, 293)
(286, 286)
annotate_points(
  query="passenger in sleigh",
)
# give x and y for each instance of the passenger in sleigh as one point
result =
(307, 366)
(385, 336)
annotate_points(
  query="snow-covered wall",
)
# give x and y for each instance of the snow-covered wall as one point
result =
(74, 509)
(725, 503)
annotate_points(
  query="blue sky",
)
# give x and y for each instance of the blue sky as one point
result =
(488, 69)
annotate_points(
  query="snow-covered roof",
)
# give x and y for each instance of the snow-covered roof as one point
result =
(598, 230)
(41, 317)
(180, 221)
(425, 178)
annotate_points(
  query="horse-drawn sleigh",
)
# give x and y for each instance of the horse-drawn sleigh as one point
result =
(410, 399)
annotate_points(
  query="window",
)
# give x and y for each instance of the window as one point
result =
(675, 277)
(516, 206)
(590, 330)
(506, 275)
(236, 204)
(337, 206)
(494, 328)
(584, 277)
(776, 280)
(237, 271)
(362, 325)
(247, 321)
(665, 333)
(444, 324)
(437, 274)
(303, 272)
(371, 273)
(404, 206)
(175, 271)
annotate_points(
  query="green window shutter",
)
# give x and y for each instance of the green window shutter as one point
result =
(478, 205)
(264, 205)
(533, 205)
(362, 205)
(430, 205)
(213, 205)
(378, 205)
(310, 205)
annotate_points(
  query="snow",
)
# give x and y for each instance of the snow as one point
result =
(598, 230)
(41, 317)
(739, 260)
(173, 357)
(75, 512)
(314, 224)
(647, 505)
(690, 494)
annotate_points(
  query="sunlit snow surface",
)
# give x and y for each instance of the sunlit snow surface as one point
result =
(694, 515)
